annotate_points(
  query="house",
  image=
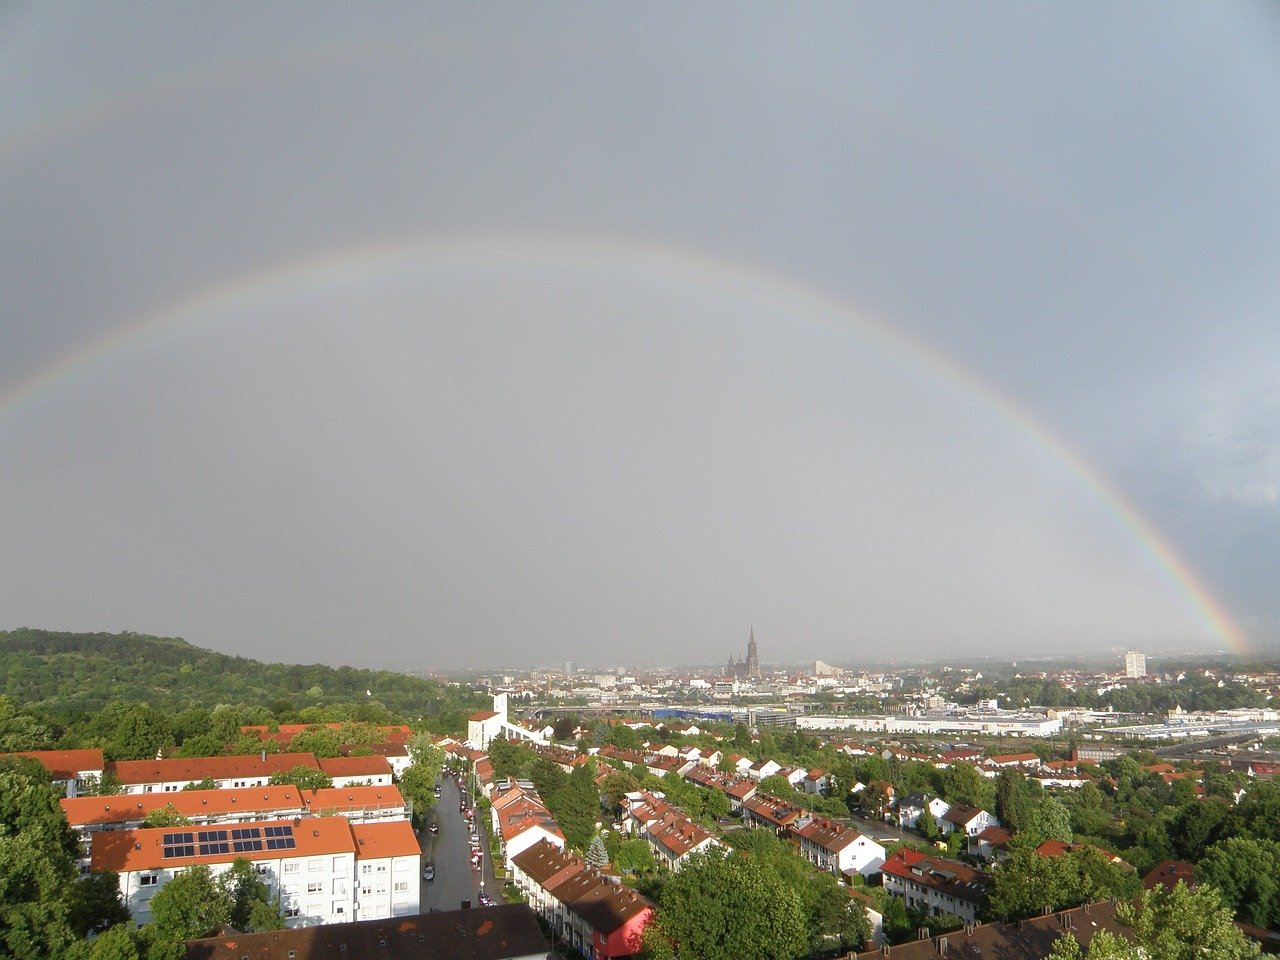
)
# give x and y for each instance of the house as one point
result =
(939, 886)
(763, 768)
(310, 864)
(1056, 848)
(770, 812)
(1026, 940)
(739, 793)
(227, 773)
(835, 848)
(520, 820)
(502, 932)
(991, 844)
(396, 754)
(1167, 873)
(350, 771)
(817, 782)
(911, 807)
(70, 769)
(674, 838)
(969, 820)
(584, 909)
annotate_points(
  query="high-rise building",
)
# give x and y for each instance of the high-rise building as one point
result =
(1135, 664)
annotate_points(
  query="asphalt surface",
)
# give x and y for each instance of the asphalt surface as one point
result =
(450, 850)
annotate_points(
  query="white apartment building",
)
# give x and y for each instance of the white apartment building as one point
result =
(1135, 664)
(387, 858)
(170, 775)
(314, 864)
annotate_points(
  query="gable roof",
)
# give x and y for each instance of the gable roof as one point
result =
(195, 769)
(125, 807)
(393, 838)
(143, 849)
(495, 933)
(64, 764)
(355, 766)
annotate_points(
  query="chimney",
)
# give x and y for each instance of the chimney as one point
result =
(263, 756)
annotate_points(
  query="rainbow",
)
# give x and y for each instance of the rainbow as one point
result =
(613, 257)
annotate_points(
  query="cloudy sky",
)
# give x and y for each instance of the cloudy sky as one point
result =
(468, 335)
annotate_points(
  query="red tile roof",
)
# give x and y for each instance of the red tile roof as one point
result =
(355, 766)
(379, 840)
(64, 764)
(333, 800)
(143, 849)
(195, 769)
(125, 807)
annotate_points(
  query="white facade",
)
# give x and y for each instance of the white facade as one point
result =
(1135, 664)
(388, 887)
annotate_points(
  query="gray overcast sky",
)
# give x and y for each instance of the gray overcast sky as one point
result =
(461, 334)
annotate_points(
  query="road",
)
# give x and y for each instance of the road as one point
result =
(450, 851)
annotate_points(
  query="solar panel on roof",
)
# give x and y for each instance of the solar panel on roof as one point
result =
(209, 836)
(246, 846)
(246, 833)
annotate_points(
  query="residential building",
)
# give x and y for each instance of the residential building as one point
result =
(170, 775)
(310, 863)
(388, 859)
(968, 820)
(674, 838)
(940, 886)
(836, 848)
(352, 771)
(911, 807)
(1135, 664)
(502, 932)
(69, 769)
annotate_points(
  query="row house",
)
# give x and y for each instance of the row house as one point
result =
(674, 838)
(970, 755)
(836, 848)
(935, 884)
(970, 821)
(520, 820)
(773, 813)
(661, 766)
(640, 808)
(500, 932)
(763, 768)
(323, 869)
(171, 774)
(72, 770)
(372, 771)
(591, 913)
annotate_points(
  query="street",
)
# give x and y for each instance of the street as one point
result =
(450, 850)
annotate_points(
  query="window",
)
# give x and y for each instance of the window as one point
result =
(148, 880)
(340, 866)
(292, 912)
(339, 908)
(315, 866)
(315, 887)
(402, 885)
(291, 867)
(366, 868)
(382, 868)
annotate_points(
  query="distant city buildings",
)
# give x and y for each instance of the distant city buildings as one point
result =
(1135, 664)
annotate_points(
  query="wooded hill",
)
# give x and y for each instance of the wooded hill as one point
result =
(69, 673)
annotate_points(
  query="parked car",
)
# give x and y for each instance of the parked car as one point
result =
(485, 899)
(435, 827)
(428, 872)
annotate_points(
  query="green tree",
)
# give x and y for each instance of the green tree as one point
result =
(928, 824)
(576, 806)
(191, 905)
(634, 856)
(597, 855)
(615, 786)
(317, 740)
(166, 816)
(730, 907)
(94, 903)
(1053, 820)
(246, 895)
(202, 745)
(1011, 801)
(1246, 872)
(962, 783)
(208, 783)
(304, 778)
(20, 730)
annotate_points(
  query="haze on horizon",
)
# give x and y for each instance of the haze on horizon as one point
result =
(458, 336)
